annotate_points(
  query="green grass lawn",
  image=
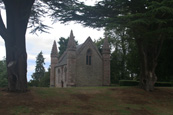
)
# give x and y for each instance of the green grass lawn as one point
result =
(88, 101)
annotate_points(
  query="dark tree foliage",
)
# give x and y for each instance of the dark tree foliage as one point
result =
(3, 74)
(149, 22)
(39, 73)
(39, 10)
(133, 64)
(165, 62)
(39, 68)
(45, 81)
(124, 57)
(62, 45)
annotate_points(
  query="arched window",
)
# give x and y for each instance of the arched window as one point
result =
(58, 71)
(88, 57)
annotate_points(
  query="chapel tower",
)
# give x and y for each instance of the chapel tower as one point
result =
(71, 60)
(106, 62)
(54, 60)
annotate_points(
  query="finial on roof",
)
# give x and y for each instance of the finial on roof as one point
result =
(54, 51)
(71, 41)
(89, 37)
(71, 34)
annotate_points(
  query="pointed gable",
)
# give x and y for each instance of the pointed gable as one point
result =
(71, 42)
(87, 42)
(54, 51)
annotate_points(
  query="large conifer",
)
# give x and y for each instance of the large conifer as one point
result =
(39, 68)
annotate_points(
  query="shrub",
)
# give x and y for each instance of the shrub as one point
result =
(3, 82)
(135, 83)
(163, 84)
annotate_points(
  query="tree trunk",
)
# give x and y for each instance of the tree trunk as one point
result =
(149, 52)
(16, 59)
(147, 73)
(18, 12)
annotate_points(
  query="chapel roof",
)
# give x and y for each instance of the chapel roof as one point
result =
(62, 60)
(78, 48)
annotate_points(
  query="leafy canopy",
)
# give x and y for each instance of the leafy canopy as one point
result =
(142, 16)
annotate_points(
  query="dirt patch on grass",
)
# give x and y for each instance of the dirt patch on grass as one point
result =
(86, 107)
(140, 112)
(135, 95)
(11, 101)
(81, 97)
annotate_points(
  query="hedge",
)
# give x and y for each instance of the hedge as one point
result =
(128, 83)
(163, 84)
(136, 83)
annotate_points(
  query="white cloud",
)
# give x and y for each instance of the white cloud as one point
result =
(30, 71)
(31, 57)
(90, 2)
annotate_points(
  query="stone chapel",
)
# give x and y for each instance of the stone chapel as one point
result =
(81, 65)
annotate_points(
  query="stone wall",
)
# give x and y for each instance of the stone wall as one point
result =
(106, 69)
(61, 76)
(89, 75)
(71, 68)
(54, 61)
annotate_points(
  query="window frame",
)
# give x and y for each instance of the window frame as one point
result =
(89, 57)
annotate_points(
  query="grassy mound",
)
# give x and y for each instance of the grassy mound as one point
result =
(88, 101)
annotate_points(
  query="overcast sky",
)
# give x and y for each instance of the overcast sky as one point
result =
(43, 42)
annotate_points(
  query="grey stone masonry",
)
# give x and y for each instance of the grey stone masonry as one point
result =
(106, 62)
(71, 42)
(71, 60)
(54, 60)
(81, 65)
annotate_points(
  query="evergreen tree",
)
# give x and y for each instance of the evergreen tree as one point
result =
(39, 68)
(45, 81)
(62, 45)
(165, 62)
